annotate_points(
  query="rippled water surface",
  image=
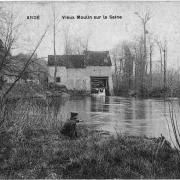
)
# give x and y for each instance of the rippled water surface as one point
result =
(132, 116)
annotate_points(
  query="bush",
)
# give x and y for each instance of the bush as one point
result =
(57, 87)
(159, 92)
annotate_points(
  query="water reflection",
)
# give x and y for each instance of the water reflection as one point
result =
(140, 111)
(99, 104)
(128, 111)
(126, 115)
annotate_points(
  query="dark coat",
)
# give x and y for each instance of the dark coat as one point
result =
(69, 128)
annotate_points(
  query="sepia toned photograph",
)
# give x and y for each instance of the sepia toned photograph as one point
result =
(89, 90)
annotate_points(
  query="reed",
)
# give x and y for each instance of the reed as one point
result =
(173, 126)
(36, 149)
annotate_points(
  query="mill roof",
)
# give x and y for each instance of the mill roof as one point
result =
(90, 58)
(98, 58)
(69, 61)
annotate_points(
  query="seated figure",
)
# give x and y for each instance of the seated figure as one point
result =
(69, 127)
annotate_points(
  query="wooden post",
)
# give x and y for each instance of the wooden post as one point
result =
(55, 61)
(150, 66)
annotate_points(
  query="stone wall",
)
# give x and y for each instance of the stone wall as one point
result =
(61, 72)
(79, 78)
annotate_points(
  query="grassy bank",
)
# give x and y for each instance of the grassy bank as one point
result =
(29, 89)
(31, 146)
(47, 154)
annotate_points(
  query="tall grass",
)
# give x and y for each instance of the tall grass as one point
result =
(38, 150)
(173, 125)
(37, 114)
(33, 147)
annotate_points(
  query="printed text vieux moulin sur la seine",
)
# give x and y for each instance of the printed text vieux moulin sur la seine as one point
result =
(92, 17)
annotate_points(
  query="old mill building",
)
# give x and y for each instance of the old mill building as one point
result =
(82, 72)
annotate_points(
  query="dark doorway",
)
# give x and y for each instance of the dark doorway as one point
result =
(99, 82)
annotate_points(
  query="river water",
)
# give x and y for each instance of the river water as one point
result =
(131, 116)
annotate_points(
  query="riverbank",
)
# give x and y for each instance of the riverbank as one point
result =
(157, 92)
(32, 90)
(31, 146)
(43, 153)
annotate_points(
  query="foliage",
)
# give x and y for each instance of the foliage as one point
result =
(132, 73)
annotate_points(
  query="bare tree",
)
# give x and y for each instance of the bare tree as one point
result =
(165, 64)
(163, 59)
(54, 34)
(150, 52)
(80, 45)
(25, 66)
(144, 20)
(128, 65)
(116, 58)
(75, 44)
(123, 58)
(8, 63)
(159, 44)
(8, 37)
(67, 40)
(135, 66)
(150, 68)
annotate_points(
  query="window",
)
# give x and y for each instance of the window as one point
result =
(58, 79)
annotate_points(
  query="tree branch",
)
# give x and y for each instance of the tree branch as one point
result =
(25, 66)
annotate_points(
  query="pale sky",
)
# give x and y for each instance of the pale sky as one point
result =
(104, 34)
